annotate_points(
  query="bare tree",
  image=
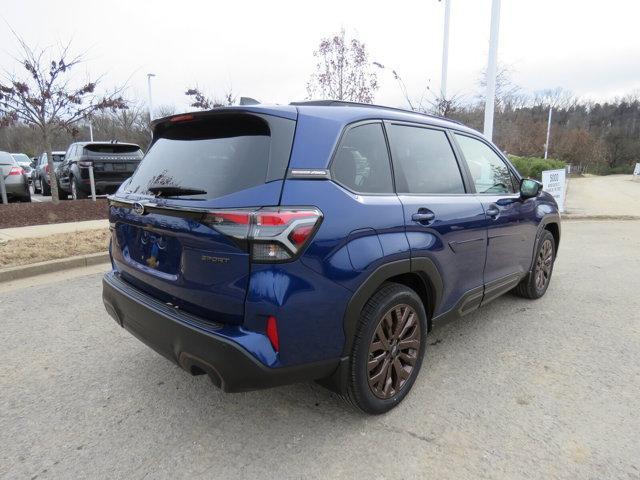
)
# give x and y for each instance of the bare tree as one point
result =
(45, 97)
(201, 101)
(429, 101)
(165, 110)
(554, 97)
(507, 92)
(343, 71)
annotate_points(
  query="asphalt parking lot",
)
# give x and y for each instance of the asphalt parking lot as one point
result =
(520, 389)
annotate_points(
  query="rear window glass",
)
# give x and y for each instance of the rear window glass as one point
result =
(6, 159)
(113, 148)
(219, 156)
(21, 157)
(362, 162)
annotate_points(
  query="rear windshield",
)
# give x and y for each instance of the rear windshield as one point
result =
(113, 148)
(6, 159)
(21, 157)
(219, 155)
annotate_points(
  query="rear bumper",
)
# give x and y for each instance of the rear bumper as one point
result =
(196, 346)
(102, 186)
(16, 186)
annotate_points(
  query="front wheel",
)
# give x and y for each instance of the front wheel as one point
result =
(388, 349)
(536, 283)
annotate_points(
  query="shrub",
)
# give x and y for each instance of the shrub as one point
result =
(532, 167)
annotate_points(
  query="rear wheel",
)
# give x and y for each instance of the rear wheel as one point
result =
(536, 283)
(27, 195)
(388, 349)
(62, 195)
(37, 185)
(76, 192)
(45, 188)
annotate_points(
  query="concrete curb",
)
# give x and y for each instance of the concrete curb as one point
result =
(569, 216)
(24, 271)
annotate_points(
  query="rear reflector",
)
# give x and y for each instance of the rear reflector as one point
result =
(274, 234)
(272, 333)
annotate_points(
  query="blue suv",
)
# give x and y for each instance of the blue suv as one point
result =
(265, 245)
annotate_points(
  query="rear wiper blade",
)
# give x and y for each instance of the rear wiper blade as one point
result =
(169, 191)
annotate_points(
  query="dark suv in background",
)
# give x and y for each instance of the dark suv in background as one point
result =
(112, 162)
(263, 245)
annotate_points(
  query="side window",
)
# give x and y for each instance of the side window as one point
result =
(488, 171)
(361, 163)
(423, 161)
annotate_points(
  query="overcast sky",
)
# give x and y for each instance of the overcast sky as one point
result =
(263, 49)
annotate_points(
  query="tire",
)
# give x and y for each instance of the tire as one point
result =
(27, 195)
(62, 195)
(76, 192)
(45, 189)
(35, 189)
(393, 316)
(536, 283)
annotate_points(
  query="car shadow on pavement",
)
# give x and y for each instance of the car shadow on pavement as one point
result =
(196, 401)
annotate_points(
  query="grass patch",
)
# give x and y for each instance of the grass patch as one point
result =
(62, 245)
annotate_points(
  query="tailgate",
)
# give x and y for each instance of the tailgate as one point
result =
(181, 261)
(163, 241)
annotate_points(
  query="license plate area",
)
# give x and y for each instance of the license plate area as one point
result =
(149, 249)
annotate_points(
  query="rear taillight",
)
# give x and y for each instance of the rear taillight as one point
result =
(16, 171)
(273, 234)
(46, 168)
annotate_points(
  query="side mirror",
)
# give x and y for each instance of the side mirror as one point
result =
(530, 188)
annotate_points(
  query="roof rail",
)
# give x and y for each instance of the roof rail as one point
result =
(343, 103)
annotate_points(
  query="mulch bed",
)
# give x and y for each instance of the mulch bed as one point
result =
(39, 213)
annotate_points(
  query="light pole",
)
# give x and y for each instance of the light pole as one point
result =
(445, 49)
(149, 75)
(546, 145)
(492, 69)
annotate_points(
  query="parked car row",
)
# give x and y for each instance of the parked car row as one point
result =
(113, 162)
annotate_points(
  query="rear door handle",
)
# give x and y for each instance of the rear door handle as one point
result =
(493, 211)
(423, 216)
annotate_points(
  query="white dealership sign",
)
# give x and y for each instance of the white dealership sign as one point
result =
(636, 171)
(554, 182)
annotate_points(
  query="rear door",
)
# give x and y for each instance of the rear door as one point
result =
(189, 249)
(444, 221)
(511, 225)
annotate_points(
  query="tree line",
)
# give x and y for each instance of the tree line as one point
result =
(599, 137)
(43, 109)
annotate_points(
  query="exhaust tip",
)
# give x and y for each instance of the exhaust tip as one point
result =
(196, 366)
